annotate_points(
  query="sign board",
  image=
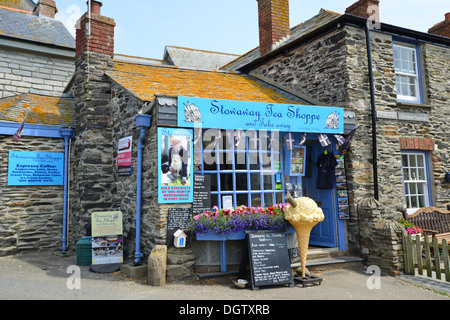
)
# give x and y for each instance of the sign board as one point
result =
(178, 219)
(107, 239)
(175, 150)
(124, 156)
(269, 259)
(35, 169)
(202, 194)
(231, 114)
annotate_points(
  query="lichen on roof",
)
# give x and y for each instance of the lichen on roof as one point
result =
(146, 82)
(44, 109)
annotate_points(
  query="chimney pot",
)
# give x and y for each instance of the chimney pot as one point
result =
(447, 16)
(95, 7)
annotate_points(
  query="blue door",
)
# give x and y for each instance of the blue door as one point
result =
(324, 233)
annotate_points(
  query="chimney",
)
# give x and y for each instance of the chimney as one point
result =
(45, 8)
(368, 9)
(273, 23)
(442, 28)
(96, 35)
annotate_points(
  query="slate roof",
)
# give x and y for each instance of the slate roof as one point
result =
(149, 81)
(197, 59)
(296, 32)
(26, 26)
(44, 109)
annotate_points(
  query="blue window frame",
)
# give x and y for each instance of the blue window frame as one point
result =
(407, 71)
(416, 181)
(251, 172)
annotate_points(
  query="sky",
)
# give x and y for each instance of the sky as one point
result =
(145, 27)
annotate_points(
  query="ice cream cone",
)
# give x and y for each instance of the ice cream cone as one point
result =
(303, 230)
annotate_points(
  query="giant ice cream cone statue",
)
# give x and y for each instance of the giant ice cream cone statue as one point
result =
(303, 214)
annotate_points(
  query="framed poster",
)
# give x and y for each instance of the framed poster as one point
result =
(175, 163)
(35, 169)
(107, 239)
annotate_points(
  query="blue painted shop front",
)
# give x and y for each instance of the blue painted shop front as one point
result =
(255, 153)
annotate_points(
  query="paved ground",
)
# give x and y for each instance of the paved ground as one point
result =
(49, 276)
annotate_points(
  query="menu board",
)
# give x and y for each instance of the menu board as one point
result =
(202, 193)
(269, 259)
(178, 219)
(107, 239)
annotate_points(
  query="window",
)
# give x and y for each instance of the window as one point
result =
(407, 69)
(249, 172)
(415, 180)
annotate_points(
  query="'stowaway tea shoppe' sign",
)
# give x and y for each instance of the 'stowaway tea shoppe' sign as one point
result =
(35, 168)
(230, 114)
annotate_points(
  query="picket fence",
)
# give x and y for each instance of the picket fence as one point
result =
(429, 258)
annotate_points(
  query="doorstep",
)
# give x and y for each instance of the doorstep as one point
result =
(320, 259)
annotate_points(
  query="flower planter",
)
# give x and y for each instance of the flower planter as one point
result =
(240, 235)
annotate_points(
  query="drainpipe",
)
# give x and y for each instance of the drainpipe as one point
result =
(142, 122)
(67, 134)
(374, 114)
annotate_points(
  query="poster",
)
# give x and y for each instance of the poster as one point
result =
(35, 169)
(175, 163)
(107, 239)
(124, 156)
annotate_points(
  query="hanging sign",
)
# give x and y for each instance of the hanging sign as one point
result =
(175, 181)
(124, 156)
(230, 114)
(35, 169)
(107, 239)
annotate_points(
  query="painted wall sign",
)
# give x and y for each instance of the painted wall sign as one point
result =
(175, 150)
(35, 169)
(107, 238)
(124, 156)
(230, 114)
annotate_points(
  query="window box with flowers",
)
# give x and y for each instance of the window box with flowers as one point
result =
(228, 224)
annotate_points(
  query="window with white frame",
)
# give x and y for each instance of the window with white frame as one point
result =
(407, 73)
(415, 180)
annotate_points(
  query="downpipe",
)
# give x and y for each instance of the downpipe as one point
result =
(67, 134)
(142, 122)
(374, 114)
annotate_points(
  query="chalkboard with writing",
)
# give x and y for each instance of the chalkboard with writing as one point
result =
(178, 219)
(202, 193)
(269, 259)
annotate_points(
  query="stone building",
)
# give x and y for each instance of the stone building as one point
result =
(390, 81)
(37, 51)
(36, 64)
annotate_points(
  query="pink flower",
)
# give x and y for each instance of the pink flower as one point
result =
(196, 217)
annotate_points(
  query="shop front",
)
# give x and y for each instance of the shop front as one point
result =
(228, 154)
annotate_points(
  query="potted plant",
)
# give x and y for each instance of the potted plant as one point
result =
(410, 228)
(230, 224)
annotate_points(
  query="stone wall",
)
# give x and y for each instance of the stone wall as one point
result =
(30, 216)
(21, 71)
(333, 70)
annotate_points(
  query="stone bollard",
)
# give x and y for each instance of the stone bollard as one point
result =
(157, 266)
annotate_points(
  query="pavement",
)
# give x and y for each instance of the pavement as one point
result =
(53, 276)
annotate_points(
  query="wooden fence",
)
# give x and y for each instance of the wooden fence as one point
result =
(430, 258)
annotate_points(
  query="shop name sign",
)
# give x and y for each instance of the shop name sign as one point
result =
(35, 168)
(230, 114)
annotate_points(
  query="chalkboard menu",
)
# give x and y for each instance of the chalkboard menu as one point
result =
(178, 219)
(202, 193)
(269, 259)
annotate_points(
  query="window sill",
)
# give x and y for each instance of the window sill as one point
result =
(413, 105)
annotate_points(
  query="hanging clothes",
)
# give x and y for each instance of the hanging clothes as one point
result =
(326, 163)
